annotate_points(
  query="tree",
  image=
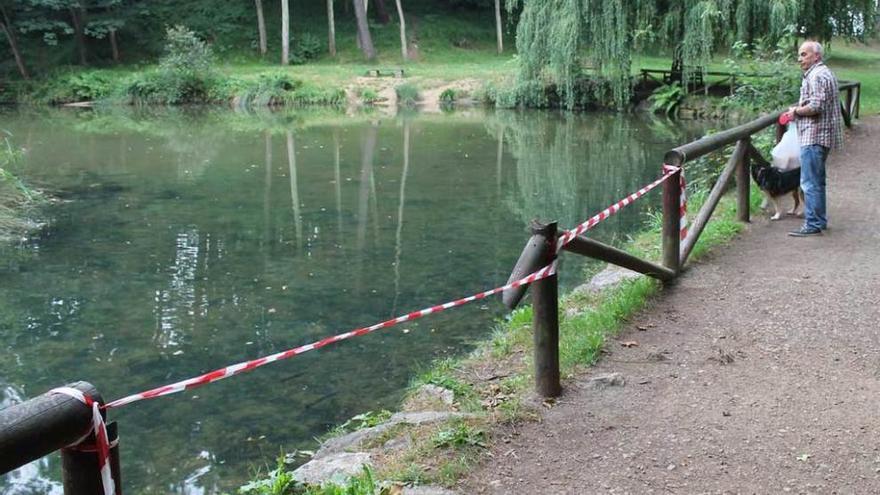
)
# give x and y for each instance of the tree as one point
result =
(382, 12)
(285, 32)
(331, 27)
(261, 26)
(106, 18)
(403, 50)
(366, 42)
(498, 26)
(77, 12)
(9, 31)
(557, 37)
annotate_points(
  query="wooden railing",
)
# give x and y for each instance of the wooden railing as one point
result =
(539, 251)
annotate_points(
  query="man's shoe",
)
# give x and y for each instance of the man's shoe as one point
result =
(805, 232)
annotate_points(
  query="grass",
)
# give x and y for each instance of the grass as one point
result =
(17, 200)
(858, 62)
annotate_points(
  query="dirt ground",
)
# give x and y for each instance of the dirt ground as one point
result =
(758, 372)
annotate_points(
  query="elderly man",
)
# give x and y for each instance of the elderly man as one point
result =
(818, 120)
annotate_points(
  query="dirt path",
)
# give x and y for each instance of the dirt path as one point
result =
(759, 371)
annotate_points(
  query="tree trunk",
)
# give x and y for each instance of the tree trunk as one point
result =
(403, 50)
(114, 45)
(382, 12)
(366, 42)
(261, 26)
(285, 32)
(13, 45)
(498, 26)
(76, 15)
(331, 25)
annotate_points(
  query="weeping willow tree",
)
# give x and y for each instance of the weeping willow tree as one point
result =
(557, 39)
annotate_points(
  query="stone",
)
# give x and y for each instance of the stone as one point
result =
(432, 393)
(609, 277)
(426, 490)
(335, 467)
(605, 380)
(353, 439)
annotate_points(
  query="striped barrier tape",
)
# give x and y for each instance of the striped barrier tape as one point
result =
(682, 204)
(102, 443)
(668, 170)
(246, 366)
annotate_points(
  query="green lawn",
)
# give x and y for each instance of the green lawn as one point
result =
(858, 62)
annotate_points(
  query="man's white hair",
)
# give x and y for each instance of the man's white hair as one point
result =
(817, 48)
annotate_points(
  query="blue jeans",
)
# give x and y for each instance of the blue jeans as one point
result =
(813, 183)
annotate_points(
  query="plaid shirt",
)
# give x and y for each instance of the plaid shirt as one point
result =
(819, 92)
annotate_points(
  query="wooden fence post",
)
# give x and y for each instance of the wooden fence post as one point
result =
(672, 220)
(743, 183)
(545, 321)
(53, 421)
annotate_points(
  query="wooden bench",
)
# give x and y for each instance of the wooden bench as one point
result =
(395, 72)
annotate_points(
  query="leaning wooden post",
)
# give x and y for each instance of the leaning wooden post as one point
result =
(743, 183)
(54, 421)
(545, 320)
(672, 220)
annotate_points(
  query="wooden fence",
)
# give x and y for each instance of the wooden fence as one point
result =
(540, 249)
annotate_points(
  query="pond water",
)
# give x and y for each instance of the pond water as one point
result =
(188, 240)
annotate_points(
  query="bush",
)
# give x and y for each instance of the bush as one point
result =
(407, 94)
(369, 96)
(185, 75)
(779, 89)
(667, 98)
(186, 53)
(308, 94)
(448, 96)
(75, 87)
(271, 89)
(305, 48)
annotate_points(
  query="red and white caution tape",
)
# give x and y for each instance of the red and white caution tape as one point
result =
(245, 366)
(611, 210)
(682, 204)
(102, 443)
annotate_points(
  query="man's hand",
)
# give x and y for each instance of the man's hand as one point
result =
(791, 113)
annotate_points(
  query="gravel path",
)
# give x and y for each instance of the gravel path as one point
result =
(759, 371)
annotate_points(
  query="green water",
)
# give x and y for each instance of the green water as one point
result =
(189, 240)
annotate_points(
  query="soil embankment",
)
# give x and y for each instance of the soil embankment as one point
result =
(758, 372)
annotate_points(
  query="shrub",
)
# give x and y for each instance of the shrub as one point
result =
(305, 48)
(185, 75)
(186, 53)
(777, 90)
(72, 87)
(667, 98)
(369, 96)
(269, 89)
(448, 96)
(407, 94)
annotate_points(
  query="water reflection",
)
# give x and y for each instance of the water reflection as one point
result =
(191, 241)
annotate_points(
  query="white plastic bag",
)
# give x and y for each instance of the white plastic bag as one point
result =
(787, 154)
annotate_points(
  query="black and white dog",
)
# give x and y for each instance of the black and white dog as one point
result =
(775, 184)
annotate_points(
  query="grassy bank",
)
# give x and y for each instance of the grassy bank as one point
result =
(473, 73)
